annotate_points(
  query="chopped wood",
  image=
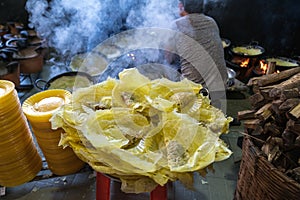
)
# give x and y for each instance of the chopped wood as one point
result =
(272, 148)
(264, 112)
(288, 138)
(275, 106)
(273, 78)
(258, 131)
(256, 98)
(272, 129)
(253, 81)
(255, 88)
(289, 104)
(245, 114)
(295, 112)
(293, 126)
(289, 93)
(252, 123)
(260, 104)
(271, 67)
(265, 94)
(280, 119)
(292, 82)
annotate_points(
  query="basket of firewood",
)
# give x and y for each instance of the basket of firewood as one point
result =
(260, 179)
(270, 166)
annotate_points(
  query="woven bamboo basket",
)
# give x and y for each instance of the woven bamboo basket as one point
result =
(259, 179)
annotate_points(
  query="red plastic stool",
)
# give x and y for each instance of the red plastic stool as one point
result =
(103, 189)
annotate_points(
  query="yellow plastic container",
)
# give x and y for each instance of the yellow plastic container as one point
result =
(19, 158)
(38, 109)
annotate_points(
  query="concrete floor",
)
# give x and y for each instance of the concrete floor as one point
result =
(215, 186)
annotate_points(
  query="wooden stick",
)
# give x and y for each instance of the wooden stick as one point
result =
(271, 67)
(273, 78)
(292, 82)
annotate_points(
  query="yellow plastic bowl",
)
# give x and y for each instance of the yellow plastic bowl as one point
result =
(6, 90)
(14, 176)
(37, 116)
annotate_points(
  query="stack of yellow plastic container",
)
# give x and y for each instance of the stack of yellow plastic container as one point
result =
(39, 109)
(19, 158)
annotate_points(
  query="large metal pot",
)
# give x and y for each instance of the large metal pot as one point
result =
(44, 85)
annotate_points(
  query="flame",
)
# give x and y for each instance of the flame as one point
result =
(263, 67)
(245, 63)
(277, 72)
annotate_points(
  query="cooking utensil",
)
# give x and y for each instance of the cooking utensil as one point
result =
(283, 63)
(251, 50)
(44, 85)
(231, 77)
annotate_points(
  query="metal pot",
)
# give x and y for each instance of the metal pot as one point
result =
(44, 85)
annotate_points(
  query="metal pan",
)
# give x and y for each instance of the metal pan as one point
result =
(251, 50)
(44, 85)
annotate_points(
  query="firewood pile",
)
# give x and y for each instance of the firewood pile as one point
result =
(274, 119)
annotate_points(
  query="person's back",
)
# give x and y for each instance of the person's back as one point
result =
(204, 30)
(199, 45)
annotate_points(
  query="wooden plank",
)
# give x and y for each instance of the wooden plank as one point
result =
(246, 114)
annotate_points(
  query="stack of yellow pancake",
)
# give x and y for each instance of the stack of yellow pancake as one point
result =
(19, 158)
(38, 110)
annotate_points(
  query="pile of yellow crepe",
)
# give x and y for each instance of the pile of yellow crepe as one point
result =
(143, 132)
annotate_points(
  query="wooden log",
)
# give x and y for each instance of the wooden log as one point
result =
(260, 104)
(288, 105)
(274, 78)
(271, 67)
(258, 131)
(293, 126)
(255, 99)
(252, 123)
(280, 119)
(275, 106)
(289, 93)
(264, 112)
(292, 82)
(272, 129)
(253, 81)
(265, 94)
(246, 114)
(255, 89)
(288, 138)
(295, 112)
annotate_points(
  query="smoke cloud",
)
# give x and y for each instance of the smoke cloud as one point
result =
(153, 13)
(72, 26)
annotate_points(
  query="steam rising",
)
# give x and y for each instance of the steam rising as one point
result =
(153, 13)
(72, 26)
